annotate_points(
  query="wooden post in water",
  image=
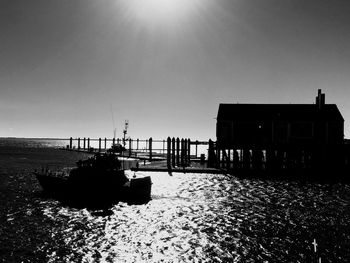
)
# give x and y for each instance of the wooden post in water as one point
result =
(70, 143)
(113, 143)
(235, 161)
(79, 143)
(211, 154)
(130, 147)
(178, 151)
(168, 153)
(99, 144)
(182, 152)
(188, 151)
(137, 144)
(150, 149)
(105, 143)
(218, 155)
(196, 148)
(229, 159)
(185, 152)
(173, 152)
(84, 143)
(88, 144)
(246, 159)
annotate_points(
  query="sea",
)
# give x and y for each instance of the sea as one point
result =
(191, 217)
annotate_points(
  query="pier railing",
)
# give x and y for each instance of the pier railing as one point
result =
(181, 151)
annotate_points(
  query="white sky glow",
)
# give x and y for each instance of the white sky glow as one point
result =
(161, 12)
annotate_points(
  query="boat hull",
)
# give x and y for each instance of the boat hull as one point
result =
(96, 190)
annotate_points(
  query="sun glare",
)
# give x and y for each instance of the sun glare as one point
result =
(160, 12)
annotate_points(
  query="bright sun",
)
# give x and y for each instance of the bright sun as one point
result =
(161, 12)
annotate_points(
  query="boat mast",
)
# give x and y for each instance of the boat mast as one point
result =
(125, 131)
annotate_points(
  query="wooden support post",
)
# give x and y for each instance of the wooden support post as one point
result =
(70, 143)
(182, 152)
(150, 149)
(130, 147)
(88, 144)
(211, 154)
(185, 152)
(178, 151)
(99, 144)
(137, 144)
(105, 143)
(168, 153)
(228, 164)
(79, 143)
(235, 160)
(84, 145)
(113, 143)
(196, 148)
(246, 159)
(188, 151)
(173, 152)
(218, 155)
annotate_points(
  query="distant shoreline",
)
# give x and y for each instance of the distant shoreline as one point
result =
(33, 138)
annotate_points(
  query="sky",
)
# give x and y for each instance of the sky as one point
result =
(81, 68)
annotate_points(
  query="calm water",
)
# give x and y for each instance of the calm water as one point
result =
(191, 218)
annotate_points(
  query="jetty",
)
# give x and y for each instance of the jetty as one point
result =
(251, 139)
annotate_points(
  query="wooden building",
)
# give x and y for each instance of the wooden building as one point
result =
(300, 133)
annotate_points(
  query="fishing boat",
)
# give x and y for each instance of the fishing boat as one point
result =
(100, 178)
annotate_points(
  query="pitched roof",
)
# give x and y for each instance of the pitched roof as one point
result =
(296, 112)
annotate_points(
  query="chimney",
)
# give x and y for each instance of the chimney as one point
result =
(320, 99)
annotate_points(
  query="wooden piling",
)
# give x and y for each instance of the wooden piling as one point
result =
(246, 159)
(79, 143)
(150, 149)
(188, 151)
(137, 144)
(168, 153)
(211, 154)
(173, 152)
(218, 157)
(113, 142)
(185, 151)
(182, 152)
(130, 147)
(196, 148)
(70, 143)
(235, 161)
(88, 144)
(105, 143)
(99, 144)
(178, 151)
(84, 143)
(228, 163)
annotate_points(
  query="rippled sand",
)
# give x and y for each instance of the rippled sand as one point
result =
(191, 218)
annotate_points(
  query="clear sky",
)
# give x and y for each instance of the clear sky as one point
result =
(165, 65)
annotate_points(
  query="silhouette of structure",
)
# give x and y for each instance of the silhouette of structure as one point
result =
(280, 136)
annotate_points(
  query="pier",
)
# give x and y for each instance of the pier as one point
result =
(194, 156)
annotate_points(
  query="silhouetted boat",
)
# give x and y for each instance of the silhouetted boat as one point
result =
(95, 180)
